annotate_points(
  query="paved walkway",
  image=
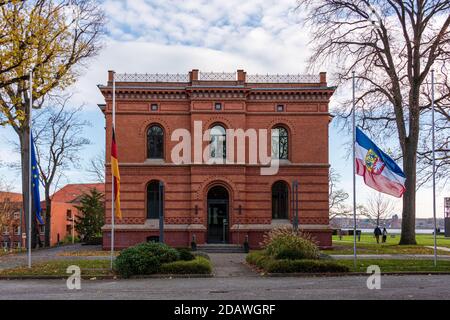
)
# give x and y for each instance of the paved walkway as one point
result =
(43, 255)
(227, 265)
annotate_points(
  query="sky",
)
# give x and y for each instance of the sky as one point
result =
(146, 36)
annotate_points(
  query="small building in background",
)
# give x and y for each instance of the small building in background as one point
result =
(10, 220)
(64, 210)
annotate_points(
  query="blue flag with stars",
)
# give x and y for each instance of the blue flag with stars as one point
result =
(35, 184)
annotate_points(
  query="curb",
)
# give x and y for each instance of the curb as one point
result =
(350, 274)
(111, 277)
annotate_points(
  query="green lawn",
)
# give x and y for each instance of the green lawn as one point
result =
(398, 265)
(368, 245)
(90, 268)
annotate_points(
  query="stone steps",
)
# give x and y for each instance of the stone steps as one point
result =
(220, 248)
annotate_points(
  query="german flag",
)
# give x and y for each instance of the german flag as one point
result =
(116, 175)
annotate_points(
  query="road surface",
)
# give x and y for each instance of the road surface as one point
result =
(233, 288)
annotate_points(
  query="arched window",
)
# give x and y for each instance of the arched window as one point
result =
(280, 200)
(155, 142)
(218, 142)
(153, 201)
(280, 143)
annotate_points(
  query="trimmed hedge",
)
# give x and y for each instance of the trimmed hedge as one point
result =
(257, 258)
(185, 254)
(201, 254)
(304, 266)
(199, 265)
(270, 265)
(144, 259)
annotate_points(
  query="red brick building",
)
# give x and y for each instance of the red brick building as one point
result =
(10, 220)
(220, 203)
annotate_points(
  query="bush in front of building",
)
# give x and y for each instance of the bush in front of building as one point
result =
(144, 259)
(270, 265)
(201, 254)
(257, 258)
(185, 254)
(304, 266)
(285, 243)
(199, 265)
(288, 251)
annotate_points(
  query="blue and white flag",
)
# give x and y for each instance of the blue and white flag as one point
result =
(35, 183)
(380, 171)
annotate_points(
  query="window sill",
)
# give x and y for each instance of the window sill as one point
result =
(155, 161)
(283, 161)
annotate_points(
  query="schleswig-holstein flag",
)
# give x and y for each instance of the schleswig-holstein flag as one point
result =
(116, 176)
(380, 172)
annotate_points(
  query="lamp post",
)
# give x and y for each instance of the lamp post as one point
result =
(295, 204)
(161, 212)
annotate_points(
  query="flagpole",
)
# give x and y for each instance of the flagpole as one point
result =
(30, 171)
(354, 172)
(112, 173)
(434, 167)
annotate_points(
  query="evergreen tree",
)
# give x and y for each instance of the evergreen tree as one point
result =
(92, 215)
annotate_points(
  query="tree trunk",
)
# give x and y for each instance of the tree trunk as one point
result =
(409, 198)
(48, 212)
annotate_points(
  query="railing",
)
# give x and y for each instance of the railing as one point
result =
(283, 78)
(156, 77)
(218, 76)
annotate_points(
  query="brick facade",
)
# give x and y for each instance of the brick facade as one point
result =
(245, 106)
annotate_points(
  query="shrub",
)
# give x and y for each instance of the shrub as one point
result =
(201, 254)
(199, 265)
(185, 254)
(144, 259)
(257, 258)
(304, 266)
(285, 243)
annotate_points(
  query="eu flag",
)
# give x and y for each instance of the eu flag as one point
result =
(35, 183)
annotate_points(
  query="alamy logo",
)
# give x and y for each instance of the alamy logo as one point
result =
(374, 280)
(74, 281)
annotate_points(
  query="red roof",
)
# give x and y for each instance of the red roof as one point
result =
(71, 192)
(11, 196)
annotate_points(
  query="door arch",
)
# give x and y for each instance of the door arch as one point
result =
(218, 200)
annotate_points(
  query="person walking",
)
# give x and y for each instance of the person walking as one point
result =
(384, 235)
(377, 232)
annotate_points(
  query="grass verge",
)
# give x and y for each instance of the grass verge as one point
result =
(98, 253)
(90, 268)
(398, 265)
(368, 245)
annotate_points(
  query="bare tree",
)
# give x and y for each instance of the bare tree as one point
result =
(379, 207)
(392, 59)
(58, 132)
(337, 197)
(96, 167)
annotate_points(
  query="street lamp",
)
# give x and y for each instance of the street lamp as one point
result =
(295, 204)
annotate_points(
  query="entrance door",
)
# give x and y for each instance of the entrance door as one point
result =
(218, 218)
